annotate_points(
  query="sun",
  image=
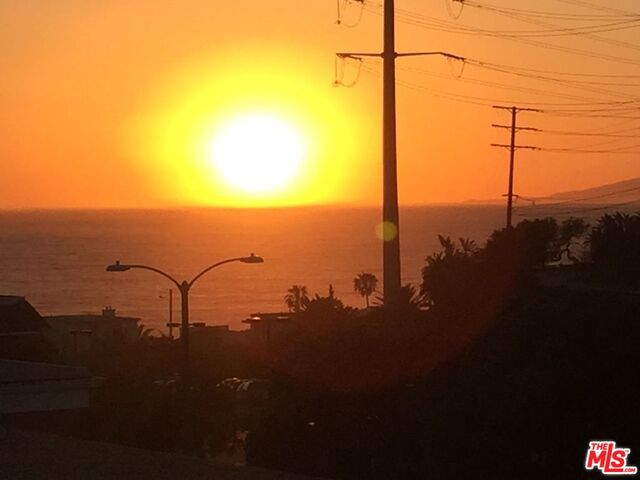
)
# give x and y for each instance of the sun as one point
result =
(257, 153)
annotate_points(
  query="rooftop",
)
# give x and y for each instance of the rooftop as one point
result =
(108, 313)
(10, 300)
(269, 317)
(25, 372)
(18, 315)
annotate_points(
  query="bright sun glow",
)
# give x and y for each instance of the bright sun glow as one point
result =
(257, 153)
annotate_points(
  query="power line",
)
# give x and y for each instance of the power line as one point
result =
(620, 151)
(478, 100)
(594, 133)
(555, 76)
(488, 101)
(547, 14)
(592, 6)
(425, 21)
(588, 134)
(502, 86)
(581, 85)
(552, 26)
(557, 31)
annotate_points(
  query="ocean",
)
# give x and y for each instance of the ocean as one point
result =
(57, 259)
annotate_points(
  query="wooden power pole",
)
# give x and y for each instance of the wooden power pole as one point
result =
(512, 152)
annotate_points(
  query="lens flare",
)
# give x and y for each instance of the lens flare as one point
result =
(386, 231)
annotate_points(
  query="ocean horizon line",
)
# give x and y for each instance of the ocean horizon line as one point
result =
(177, 208)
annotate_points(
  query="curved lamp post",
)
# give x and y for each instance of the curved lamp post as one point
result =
(183, 287)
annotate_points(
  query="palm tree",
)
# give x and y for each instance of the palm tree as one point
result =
(297, 298)
(365, 284)
(145, 332)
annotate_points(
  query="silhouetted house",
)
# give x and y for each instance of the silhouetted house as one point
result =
(27, 386)
(78, 333)
(266, 328)
(18, 317)
(22, 331)
(205, 338)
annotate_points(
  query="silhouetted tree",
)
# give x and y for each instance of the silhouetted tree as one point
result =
(449, 274)
(297, 298)
(409, 304)
(323, 315)
(614, 245)
(325, 305)
(146, 332)
(410, 299)
(365, 284)
(530, 244)
(570, 231)
(466, 278)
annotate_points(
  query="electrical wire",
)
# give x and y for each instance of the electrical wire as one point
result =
(431, 23)
(547, 79)
(588, 134)
(582, 3)
(492, 84)
(548, 14)
(621, 151)
(487, 101)
(589, 35)
(567, 83)
(552, 26)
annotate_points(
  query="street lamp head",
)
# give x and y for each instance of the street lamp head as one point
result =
(118, 267)
(252, 259)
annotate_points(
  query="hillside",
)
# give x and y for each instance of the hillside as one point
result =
(618, 192)
(623, 192)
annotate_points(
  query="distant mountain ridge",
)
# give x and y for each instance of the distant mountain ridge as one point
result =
(625, 191)
(618, 192)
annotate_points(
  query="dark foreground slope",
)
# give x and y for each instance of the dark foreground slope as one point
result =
(554, 373)
(26, 455)
(554, 370)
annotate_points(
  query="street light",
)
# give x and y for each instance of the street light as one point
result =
(183, 287)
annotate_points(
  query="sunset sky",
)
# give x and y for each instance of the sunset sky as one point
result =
(140, 103)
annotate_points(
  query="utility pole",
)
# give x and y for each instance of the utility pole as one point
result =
(390, 210)
(512, 152)
(170, 323)
(392, 282)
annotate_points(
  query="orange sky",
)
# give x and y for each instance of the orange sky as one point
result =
(103, 104)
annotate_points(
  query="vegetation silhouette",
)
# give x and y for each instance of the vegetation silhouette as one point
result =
(297, 298)
(474, 383)
(467, 279)
(614, 248)
(365, 284)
